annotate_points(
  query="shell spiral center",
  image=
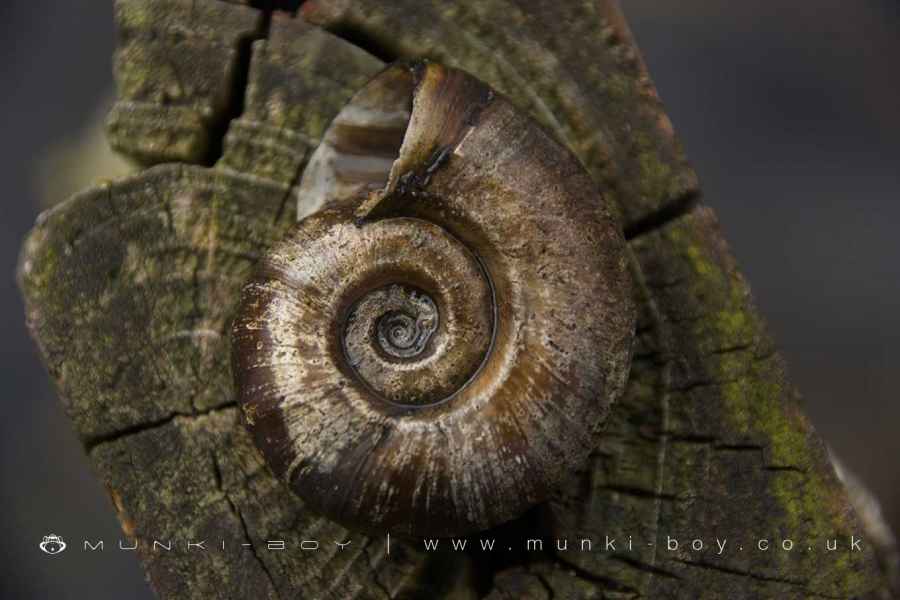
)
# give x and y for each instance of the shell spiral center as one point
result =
(404, 333)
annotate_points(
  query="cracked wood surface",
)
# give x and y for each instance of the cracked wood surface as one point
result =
(130, 288)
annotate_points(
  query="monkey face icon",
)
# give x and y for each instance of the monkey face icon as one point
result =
(52, 544)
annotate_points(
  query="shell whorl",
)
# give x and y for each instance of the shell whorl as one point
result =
(438, 341)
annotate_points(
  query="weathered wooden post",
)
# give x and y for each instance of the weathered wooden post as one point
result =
(132, 288)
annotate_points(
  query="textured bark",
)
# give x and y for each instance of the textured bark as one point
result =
(130, 289)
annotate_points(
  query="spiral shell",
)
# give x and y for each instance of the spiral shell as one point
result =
(440, 338)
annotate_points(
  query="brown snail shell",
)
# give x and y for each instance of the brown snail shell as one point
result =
(437, 343)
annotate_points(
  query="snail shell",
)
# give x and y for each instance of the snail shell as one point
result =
(438, 341)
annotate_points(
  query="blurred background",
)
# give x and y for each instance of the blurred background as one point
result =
(789, 111)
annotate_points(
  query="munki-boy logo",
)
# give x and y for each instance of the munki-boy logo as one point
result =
(52, 544)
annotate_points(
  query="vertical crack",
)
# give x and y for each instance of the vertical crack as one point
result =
(217, 475)
(235, 94)
(486, 565)
(551, 593)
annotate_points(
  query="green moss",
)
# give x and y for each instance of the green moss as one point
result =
(134, 15)
(619, 87)
(757, 407)
(695, 256)
(655, 175)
